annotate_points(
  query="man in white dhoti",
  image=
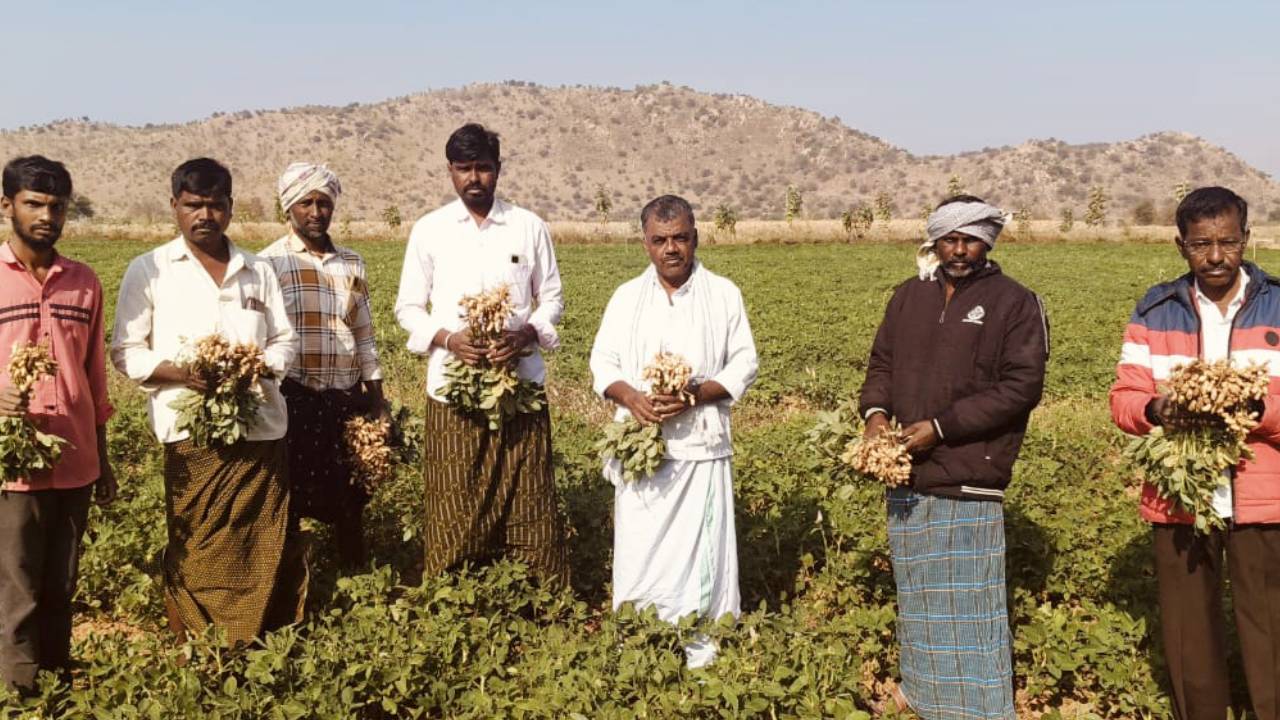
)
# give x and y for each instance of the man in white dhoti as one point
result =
(674, 545)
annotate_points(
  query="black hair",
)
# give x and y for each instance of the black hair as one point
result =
(960, 198)
(1210, 202)
(36, 173)
(667, 207)
(473, 142)
(202, 176)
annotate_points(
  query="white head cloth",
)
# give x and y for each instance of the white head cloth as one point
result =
(302, 178)
(976, 219)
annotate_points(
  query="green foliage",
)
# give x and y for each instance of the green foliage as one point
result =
(215, 419)
(1096, 214)
(1180, 191)
(1023, 219)
(726, 219)
(391, 216)
(954, 186)
(24, 449)
(279, 212)
(638, 447)
(1068, 221)
(496, 393)
(794, 203)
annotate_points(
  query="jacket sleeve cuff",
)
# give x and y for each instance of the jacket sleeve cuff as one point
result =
(868, 412)
(938, 429)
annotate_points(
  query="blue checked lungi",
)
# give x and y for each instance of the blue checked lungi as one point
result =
(953, 625)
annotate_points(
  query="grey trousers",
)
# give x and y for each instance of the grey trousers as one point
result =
(39, 556)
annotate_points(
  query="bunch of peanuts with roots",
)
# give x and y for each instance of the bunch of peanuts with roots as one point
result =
(883, 458)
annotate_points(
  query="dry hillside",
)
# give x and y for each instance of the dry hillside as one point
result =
(561, 145)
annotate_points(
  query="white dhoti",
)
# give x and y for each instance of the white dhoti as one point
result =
(674, 546)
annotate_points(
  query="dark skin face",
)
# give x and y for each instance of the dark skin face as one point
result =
(310, 218)
(671, 245)
(1214, 248)
(475, 181)
(961, 256)
(37, 218)
(203, 219)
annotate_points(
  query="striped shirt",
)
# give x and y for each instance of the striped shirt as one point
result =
(327, 298)
(66, 312)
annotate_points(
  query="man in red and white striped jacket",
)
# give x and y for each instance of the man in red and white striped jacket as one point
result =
(1223, 308)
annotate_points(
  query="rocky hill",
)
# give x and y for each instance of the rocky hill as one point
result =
(563, 145)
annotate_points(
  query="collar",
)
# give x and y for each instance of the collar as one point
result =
(497, 213)
(8, 257)
(1180, 289)
(684, 289)
(177, 250)
(294, 244)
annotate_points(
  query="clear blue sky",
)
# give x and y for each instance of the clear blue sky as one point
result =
(931, 77)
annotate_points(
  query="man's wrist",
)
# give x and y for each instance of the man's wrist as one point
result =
(1149, 412)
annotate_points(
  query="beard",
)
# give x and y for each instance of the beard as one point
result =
(28, 236)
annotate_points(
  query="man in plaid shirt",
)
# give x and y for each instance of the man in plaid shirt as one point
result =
(336, 374)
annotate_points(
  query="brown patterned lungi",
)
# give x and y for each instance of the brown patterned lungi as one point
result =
(231, 560)
(490, 492)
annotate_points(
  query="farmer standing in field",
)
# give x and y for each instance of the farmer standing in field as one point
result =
(674, 544)
(959, 360)
(1224, 307)
(336, 375)
(230, 560)
(487, 491)
(47, 299)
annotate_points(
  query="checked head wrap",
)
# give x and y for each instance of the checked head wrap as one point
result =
(302, 178)
(976, 219)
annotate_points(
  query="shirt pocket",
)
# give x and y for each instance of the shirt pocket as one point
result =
(247, 321)
(518, 275)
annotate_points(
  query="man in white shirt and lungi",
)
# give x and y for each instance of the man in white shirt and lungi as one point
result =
(230, 560)
(488, 492)
(674, 542)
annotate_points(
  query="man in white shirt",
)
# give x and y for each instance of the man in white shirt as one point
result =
(674, 544)
(230, 561)
(488, 492)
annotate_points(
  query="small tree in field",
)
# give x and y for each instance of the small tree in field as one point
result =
(1180, 191)
(1097, 212)
(884, 207)
(280, 218)
(391, 216)
(1023, 218)
(954, 186)
(856, 222)
(1068, 221)
(795, 203)
(726, 220)
(925, 212)
(604, 204)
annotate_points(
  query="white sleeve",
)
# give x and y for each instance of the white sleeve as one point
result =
(741, 362)
(415, 291)
(131, 351)
(610, 343)
(547, 290)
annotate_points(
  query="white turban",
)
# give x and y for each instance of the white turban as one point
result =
(975, 219)
(301, 179)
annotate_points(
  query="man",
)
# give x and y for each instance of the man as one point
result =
(487, 491)
(958, 360)
(674, 545)
(229, 561)
(46, 298)
(1224, 307)
(336, 375)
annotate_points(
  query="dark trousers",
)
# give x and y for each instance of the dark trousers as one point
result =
(1189, 567)
(39, 556)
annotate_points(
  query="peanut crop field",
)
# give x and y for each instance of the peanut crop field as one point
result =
(816, 638)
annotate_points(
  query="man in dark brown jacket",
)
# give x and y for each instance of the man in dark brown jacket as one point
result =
(958, 360)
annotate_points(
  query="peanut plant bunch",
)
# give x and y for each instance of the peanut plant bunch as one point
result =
(1188, 462)
(497, 393)
(883, 458)
(222, 414)
(24, 449)
(369, 451)
(639, 447)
